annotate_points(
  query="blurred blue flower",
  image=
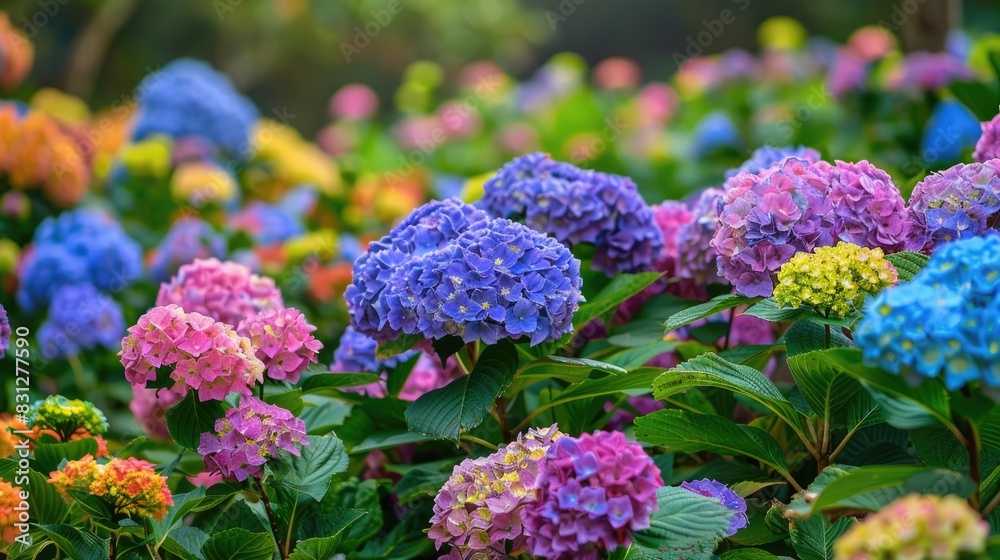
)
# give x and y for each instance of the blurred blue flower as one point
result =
(80, 317)
(950, 130)
(188, 239)
(714, 132)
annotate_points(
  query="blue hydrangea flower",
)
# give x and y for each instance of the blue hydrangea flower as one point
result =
(714, 132)
(578, 206)
(356, 354)
(949, 131)
(188, 98)
(267, 223)
(427, 228)
(766, 156)
(725, 495)
(80, 318)
(4, 331)
(84, 245)
(957, 203)
(944, 320)
(188, 239)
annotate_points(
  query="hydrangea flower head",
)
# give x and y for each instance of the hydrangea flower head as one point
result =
(207, 356)
(696, 257)
(833, 280)
(944, 320)
(767, 218)
(765, 156)
(248, 436)
(41, 153)
(726, 496)
(956, 203)
(929, 71)
(916, 526)
(480, 510)
(8, 425)
(81, 246)
(149, 406)
(593, 493)
(65, 416)
(187, 98)
(4, 331)
(130, 487)
(577, 206)
(868, 209)
(429, 227)
(80, 318)
(988, 146)
(283, 341)
(225, 291)
(188, 239)
(266, 223)
(17, 53)
(10, 498)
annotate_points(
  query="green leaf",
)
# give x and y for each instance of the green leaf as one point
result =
(420, 482)
(687, 432)
(78, 544)
(980, 98)
(322, 383)
(769, 310)
(465, 402)
(909, 478)
(332, 527)
(289, 400)
(48, 456)
(447, 347)
(239, 544)
(907, 263)
(405, 342)
(310, 472)
(47, 506)
(608, 299)
(573, 370)
(710, 370)
(748, 554)
(813, 538)
(239, 515)
(707, 309)
(684, 521)
(745, 488)
(808, 335)
(827, 389)
(186, 543)
(195, 500)
(640, 378)
(188, 419)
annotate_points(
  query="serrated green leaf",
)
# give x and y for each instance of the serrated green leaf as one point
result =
(465, 402)
(809, 335)
(48, 456)
(684, 521)
(322, 383)
(813, 538)
(688, 432)
(47, 506)
(909, 478)
(573, 370)
(907, 264)
(748, 554)
(745, 488)
(331, 526)
(828, 390)
(707, 309)
(420, 482)
(186, 543)
(769, 310)
(310, 472)
(621, 287)
(239, 544)
(190, 418)
(288, 400)
(78, 544)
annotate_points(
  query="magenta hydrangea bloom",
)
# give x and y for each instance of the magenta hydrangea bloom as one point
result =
(868, 209)
(956, 203)
(768, 217)
(225, 291)
(696, 258)
(207, 356)
(593, 493)
(988, 145)
(577, 206)
(927, 70)
(248, 436)
(480, 511)
(149, 407)
(725, 495)
(283, 342)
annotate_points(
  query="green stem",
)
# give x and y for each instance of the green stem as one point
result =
(991, 506)
(973, 448)
(501, 409)
(113, 547)
(827, 335)
(478, 441)
(729, 329)
(271, 517)
(288, 536)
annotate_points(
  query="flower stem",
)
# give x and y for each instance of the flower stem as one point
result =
(113, 547)
(271, 517)
(729, 329)
(501, 408)
(972, 446)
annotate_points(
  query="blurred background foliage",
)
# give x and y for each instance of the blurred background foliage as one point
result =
(294, 54)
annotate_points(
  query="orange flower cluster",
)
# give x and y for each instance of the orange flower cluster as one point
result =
(17, 54)
(37, 152)
(130, 487)
(10, 498)
(8, 440)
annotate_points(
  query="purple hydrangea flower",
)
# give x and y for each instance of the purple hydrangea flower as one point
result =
(766, 156)
(926, 70)
(768, 217)
(430, 227)
(266, 223)
(80, 317)
(696, 257)
(988, 146)
(248, 436)
(868, 209)
(480, 510)
(577, 206)
(4, 331)
(847, 72)
(188, 239)
(957, 203)
(725, 495)
(593, 493)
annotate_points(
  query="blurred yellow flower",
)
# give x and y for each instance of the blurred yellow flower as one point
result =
(289, 161)
(781, 32)
(148, 158)
(61, 106)
(202, 182)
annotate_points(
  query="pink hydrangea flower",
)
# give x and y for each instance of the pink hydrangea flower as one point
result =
(205, 355)
(149, 407)
(593, 493)
(225, 291)
(283, 342)
(988, 145)
(248, 436)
